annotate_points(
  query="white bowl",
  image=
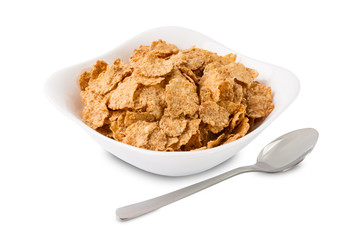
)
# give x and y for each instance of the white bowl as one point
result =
(63, 91)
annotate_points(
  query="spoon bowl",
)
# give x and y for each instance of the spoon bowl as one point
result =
(280, 155)
(287, 151)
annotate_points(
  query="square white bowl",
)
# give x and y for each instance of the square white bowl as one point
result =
(63, 91)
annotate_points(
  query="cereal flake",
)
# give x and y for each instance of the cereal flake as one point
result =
(181, 97)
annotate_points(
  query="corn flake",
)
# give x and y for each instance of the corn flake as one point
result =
(190, 75)
(171, 143)
(181, 97)
(153, 66)
(147, 81)
(238, 93)
(139, 54)
(227, 59)
(84, 80)
(117, 127)
(239, 131)
(105, 130)
(237, 118)
(95, 112)
(99, 67)
(173, 127)
(85, 77)
(215, 85)
(108, 79)
(193, 143)
(239, 72)
(232, 107)
(157, 140)
(151, 99)
(163, 49)
(214, 115)
(190, 59)
(138, 133)
(123, 96)
(192, 128)
(132, 117)
(259, 101)
(216, 142)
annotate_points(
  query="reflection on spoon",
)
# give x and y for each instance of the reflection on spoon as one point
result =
(280, 155)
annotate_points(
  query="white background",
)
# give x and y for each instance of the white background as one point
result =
(56, 183)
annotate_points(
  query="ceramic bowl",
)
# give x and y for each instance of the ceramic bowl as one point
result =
(63, 91)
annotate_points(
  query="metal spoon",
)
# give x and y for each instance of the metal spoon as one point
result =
(280, 155)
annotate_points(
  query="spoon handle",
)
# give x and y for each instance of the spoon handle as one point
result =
(140, 208)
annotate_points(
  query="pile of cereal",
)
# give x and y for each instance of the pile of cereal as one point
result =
(168, 99)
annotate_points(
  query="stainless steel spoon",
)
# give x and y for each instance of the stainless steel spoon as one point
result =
(280, 155)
